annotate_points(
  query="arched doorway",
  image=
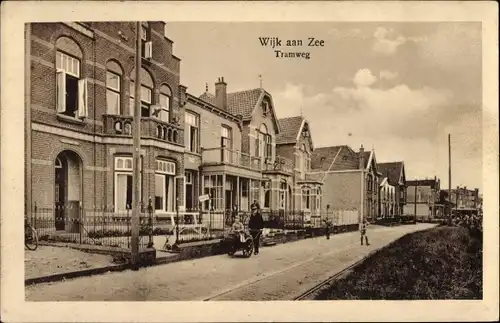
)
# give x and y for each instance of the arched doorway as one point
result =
(67, 189)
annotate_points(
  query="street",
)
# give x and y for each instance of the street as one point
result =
(277, 273)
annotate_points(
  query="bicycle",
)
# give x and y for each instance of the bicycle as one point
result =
(30, 236)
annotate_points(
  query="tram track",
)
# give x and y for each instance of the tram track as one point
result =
(250, 283)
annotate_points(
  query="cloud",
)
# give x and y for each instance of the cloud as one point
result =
(364, 77)
(387, 75)
(453, 47)
(387, 41)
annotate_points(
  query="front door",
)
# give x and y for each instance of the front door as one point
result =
(60, 192)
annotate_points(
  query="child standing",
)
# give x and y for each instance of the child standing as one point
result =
(364, 226)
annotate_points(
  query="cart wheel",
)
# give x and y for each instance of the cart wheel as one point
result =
(31, 240)
(248, 249)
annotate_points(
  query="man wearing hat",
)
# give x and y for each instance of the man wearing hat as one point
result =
(255, 224)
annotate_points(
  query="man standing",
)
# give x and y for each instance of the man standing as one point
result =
(256, 224)
(364, 226)
(327, 228)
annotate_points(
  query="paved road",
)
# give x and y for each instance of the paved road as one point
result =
(277, 273)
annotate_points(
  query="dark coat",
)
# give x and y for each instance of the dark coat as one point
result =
(256, 222)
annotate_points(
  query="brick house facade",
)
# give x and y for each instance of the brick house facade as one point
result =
(349, 179)
(79, 104)
(258, 162)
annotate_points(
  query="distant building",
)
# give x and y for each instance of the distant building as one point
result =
(423, 199)
(396, 177)
(466, 200)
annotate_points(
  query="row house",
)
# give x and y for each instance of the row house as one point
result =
(395, 175)
(423, 197)
(242, 153)
(79, 105)
(350, 179)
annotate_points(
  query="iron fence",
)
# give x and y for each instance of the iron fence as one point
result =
(106, 226)
(102, 226)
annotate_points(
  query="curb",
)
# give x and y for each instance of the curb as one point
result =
(123, 267)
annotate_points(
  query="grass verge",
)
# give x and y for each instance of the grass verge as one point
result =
(440, 263)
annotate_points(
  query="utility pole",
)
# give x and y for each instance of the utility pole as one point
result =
(415, 206)
(136, 203)
(449, 178)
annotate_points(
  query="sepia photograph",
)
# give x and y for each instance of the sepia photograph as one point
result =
(240, 160)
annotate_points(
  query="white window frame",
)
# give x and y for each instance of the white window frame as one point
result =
(124, 170)
(145, 101)
(192, 121)
(165, 108)
(115, 91)
(69, 65)
(164, 169)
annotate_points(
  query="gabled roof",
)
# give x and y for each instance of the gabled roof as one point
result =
(328, 158)
(238, 103)
(392, 171)
(243, 103)
(290, 130)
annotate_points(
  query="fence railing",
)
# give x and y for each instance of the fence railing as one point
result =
(105, 227)
(227, 156)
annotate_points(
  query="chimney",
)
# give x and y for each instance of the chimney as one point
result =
(221, 94)
(361, 157)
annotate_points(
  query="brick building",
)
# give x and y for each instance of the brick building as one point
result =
(79, 116)
(466, 199)
(350, 179)
(245, 153)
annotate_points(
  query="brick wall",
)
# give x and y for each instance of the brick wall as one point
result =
(342, 190)
(97, 162)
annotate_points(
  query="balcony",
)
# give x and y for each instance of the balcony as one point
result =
(118, 125)
(225, 156)
(279, 165)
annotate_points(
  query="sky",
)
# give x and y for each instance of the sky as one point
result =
(398, 88)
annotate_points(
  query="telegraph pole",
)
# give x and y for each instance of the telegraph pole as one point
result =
(136, 203)
(449, 178)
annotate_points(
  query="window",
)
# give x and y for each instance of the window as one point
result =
(212, 184)
(263, 143)
(145, 38)
(165, 95)
(145, 99)
(192, 131)
(124, 183)
(146, 91)
(164, 186)
(306, 198)
(190, 193)
(254, 191)
(283, 189)
(113, 82)
(71, 89)
(265, 108)
(266, 190)
(226, 144)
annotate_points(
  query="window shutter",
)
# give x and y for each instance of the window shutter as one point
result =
(82, 99)
(148, 49)
(61, 91)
